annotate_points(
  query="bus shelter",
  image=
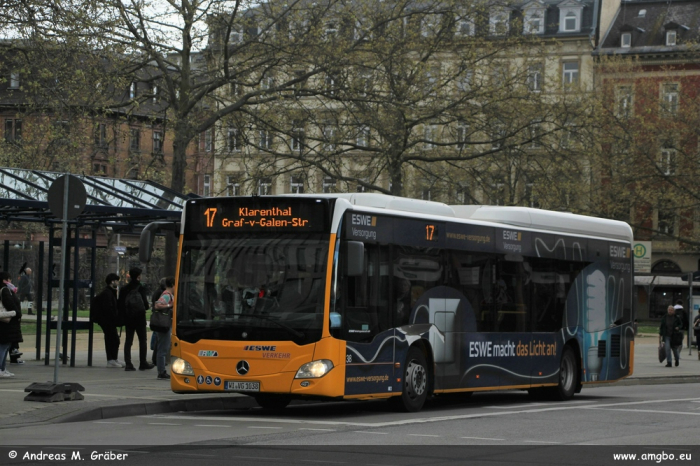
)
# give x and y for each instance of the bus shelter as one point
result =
(120, 205)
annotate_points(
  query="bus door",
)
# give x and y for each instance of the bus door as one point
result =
(511, 351)
(367, 325)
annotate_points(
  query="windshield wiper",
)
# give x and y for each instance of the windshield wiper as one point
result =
(294, 332)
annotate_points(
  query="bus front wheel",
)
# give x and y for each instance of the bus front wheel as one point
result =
(416, 381)
(273, 402)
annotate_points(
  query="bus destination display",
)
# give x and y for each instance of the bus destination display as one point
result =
(257, 214)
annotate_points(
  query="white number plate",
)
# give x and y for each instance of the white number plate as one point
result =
(242, 386)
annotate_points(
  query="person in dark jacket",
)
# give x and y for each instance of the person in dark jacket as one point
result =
(105, 313)
(670, 323)
(135, 323)
(10, 332)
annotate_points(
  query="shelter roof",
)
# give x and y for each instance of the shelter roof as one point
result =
(124, 204)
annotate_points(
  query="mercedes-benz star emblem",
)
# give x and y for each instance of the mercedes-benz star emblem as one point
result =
(242, 367)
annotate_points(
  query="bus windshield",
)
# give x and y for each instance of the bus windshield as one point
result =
(252, 287)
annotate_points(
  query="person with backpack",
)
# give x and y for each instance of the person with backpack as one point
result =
(132, 304)
(105, 313)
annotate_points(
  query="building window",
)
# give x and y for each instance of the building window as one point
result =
(667, 161)
(267, 82)
(14, 80)
(13, 130)
(156, 93)
(233, 186)
(570, 20)
(264, 186)
(208, 140)
(666, 219)
(361, 188)
(626, 40)
(235, 35)
(498, 193)
(671, 37)
(296, 184)
(363, 136)
(135, 139)
(99, 167)
(331, 30)
(331, 85)
(233, 140)
(567, 137)
(530, 196)
(157, 142)
(329, 135)
(101, 135)
(570, 74)
(132, 90)
(265, 139)
(670, 98)
(298, 139)
(430, 136)
(206, 186)
(465, 79)
(498, 21)
(462, 194)
(464, 26)
(430, 25)
(535, 78)
(462, 135)
(624, 101)
(425, 193)
(534, 22)
(328, 185)
(535, 131)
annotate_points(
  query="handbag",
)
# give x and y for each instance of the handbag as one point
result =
(5, 315)
(662, 352)
(160, 321)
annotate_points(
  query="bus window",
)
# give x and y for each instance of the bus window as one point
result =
(513, 295)
(423, 269)
(472, 275)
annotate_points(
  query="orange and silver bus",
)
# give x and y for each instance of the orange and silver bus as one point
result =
(366, 296)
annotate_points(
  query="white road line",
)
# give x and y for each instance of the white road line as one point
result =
(263, 427)
(319, 430)
(484, 438)
(425, 420)
(217, 425)
(657, 411)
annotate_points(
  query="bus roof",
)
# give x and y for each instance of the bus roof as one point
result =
(523, 217)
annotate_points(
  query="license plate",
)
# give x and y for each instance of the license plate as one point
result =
(242, 386)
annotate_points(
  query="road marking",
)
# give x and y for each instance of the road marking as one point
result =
(540, 441)
(422, 435)
(426, 420)
(319, 430)
(218, 425)
(368, 432)
(484, 438)
(264, 427)
(657, 411)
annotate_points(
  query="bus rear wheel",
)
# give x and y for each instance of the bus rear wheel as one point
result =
(273, 402)
(416, 382)
(568, 377)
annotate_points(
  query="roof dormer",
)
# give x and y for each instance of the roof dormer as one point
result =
(672, 33)
(534, 14)
(570, 13)
(499, 20)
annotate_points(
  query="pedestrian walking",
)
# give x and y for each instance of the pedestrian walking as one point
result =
(133, 303)
(669, 330)
(104, 312)
(10, 332)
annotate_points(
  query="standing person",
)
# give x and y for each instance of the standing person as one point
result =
(680, 312)
(11, 332)
(105, 313)
(154, 338)
(134, 312)
(696, 329)
(670, 324)
(25, 289)
(164, 305)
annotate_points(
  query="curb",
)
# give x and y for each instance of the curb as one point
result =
(160, 407)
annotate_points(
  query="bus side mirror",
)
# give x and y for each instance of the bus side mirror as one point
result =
(149, 232)
(355, 258)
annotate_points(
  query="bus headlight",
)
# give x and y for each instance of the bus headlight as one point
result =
(182, 367)
(314, 369)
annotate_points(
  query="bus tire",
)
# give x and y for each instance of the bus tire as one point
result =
(568, 377)
(416, 381)
(273, 402)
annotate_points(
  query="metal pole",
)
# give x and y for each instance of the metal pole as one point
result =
(64, 229)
